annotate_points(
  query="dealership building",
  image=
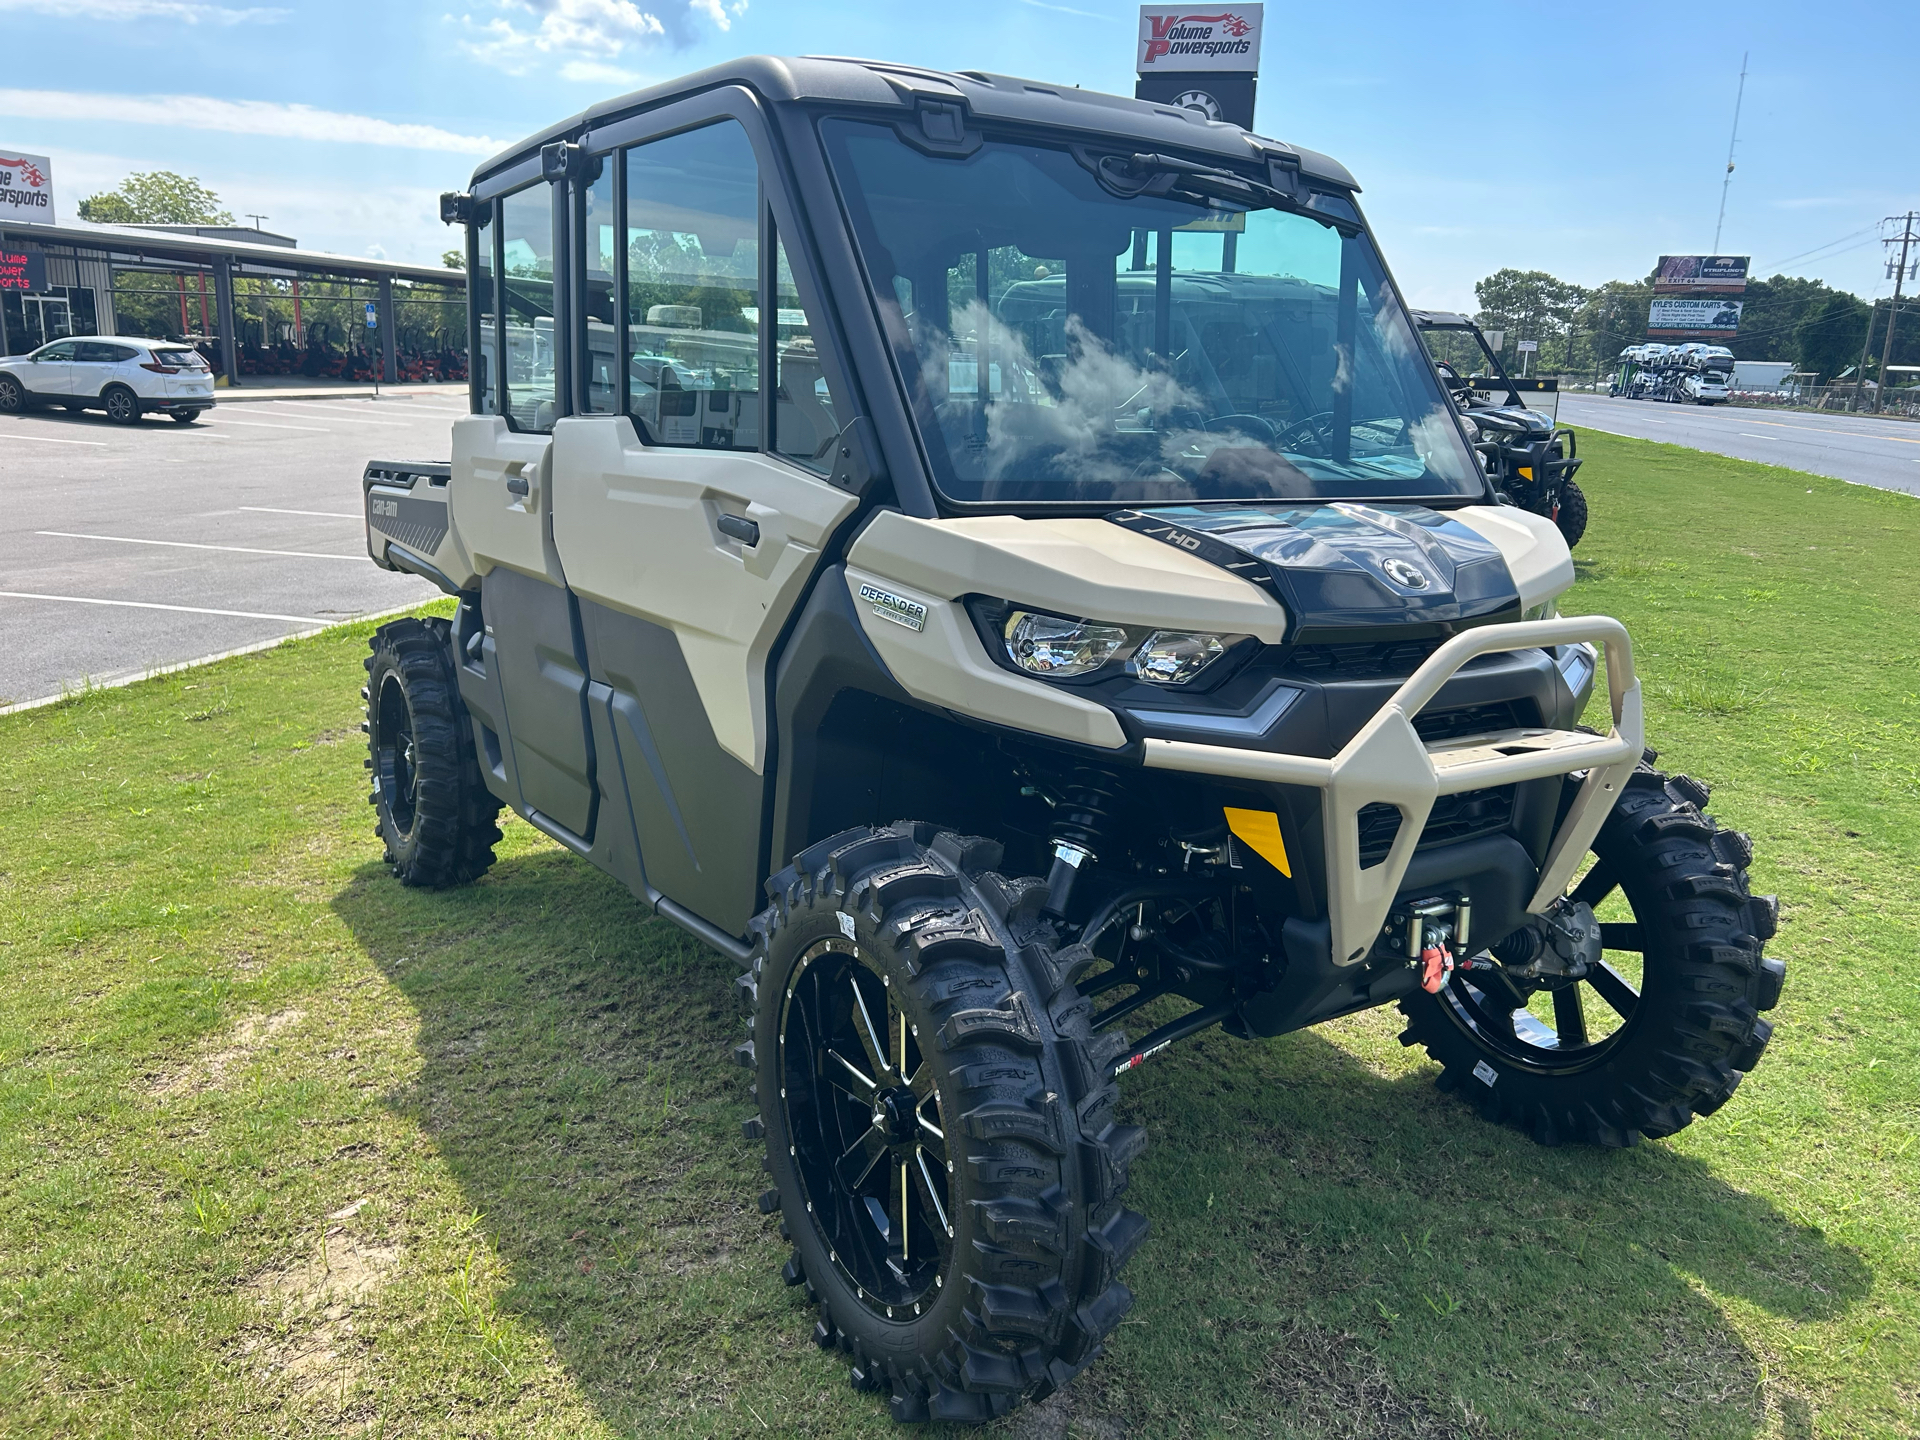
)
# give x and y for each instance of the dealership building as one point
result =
(255, 302)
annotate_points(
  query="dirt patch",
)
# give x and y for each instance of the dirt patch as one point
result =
(210, 1071)
(1079, 1412)
(309, 1339)
(1328, 1383)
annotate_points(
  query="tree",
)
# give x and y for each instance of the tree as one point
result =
(156, 197)
(1614, 317)
(453, 259)
(1531, 305)
(1829, 339)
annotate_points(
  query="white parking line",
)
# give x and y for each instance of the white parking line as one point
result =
(326, 407)
(1744, 435)
(323, 514)
(189, 545)
(150, 605)
(48, 439)
(268, 425)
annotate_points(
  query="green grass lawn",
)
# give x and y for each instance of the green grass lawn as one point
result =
(287, 1149)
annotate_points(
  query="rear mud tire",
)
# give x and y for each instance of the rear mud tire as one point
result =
(1696, 1027)
(1020, 1294)
(1572, 518)
(435, 813)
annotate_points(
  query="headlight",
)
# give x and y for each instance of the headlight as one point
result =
(1050, 645)
(1061, 648)
(1173, 657)
(1472, 427)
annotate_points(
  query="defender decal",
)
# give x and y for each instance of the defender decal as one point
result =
(897, 608)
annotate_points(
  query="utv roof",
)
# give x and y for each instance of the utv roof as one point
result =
(878, 85)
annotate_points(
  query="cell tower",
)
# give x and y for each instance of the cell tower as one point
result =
(1732, 141)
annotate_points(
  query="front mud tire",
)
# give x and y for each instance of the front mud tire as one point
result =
(436, 816)
(1571, 517)
(1019, 1293)
(1695, 1028)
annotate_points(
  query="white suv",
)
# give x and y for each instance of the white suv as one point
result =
(121, 375)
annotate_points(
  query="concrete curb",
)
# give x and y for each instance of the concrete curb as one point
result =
(248, 394)
(133, 677)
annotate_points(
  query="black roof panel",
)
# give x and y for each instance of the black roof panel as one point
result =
(833, 80)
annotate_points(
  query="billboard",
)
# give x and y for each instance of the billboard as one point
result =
(1184, 38)
(1690, 319)
(1686, 272)
(26, 188)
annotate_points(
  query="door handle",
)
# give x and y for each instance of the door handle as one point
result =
(517, 485)
(738, 527)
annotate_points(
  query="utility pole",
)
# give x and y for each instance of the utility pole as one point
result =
(1732, 140)
(1906, 238)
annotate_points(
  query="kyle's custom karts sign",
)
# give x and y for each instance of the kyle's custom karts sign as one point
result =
(1199, 38)
(1695, 319)
(26, 187)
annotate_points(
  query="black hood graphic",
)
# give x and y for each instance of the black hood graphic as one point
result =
(1341, 565)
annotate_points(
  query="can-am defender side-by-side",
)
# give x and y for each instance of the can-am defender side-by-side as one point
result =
(996, 561)
(1531, 460)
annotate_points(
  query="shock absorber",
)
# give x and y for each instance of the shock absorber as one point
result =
(1079, 823)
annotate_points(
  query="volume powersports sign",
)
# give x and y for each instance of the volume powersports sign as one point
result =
(1200, 59)
(26, 188)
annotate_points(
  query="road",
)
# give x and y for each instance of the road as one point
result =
(123, 549)
(1860, 448)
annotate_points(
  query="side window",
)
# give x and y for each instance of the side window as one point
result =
(602, 236)
(527, 328)
(486, 342)
(804, 424)
(692, 360)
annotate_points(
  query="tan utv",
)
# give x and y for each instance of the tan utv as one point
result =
(851, 441)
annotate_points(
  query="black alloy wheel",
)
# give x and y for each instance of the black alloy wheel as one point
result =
(863, 1111)
(394, 776)
(13, 399)
(938, 1121)
(1663, 1028)
(122, 405)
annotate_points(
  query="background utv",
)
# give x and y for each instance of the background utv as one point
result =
(1062, 472)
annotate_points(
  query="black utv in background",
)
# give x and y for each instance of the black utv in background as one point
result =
(1532, 462)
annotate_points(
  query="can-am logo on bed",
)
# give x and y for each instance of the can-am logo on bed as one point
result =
(26, 188)
(1199, 39)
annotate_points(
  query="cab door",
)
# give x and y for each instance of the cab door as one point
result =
(530, 692)
(692, 503)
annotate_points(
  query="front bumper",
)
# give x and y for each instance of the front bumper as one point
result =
(1388, 763)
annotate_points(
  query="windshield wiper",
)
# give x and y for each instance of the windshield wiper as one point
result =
(1155, 176)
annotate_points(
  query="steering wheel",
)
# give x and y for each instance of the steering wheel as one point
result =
(1318, 428)
(1256, 427)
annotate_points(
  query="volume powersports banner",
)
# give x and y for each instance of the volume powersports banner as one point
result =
(26, 187)
(1200, 58)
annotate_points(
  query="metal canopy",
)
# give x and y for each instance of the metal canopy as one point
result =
(246, 257)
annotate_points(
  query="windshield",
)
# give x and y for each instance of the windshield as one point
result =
(1064, 344)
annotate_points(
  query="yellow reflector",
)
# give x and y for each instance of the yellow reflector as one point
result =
(1261, 830)
(1525, 472)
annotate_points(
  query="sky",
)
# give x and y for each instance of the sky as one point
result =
(1581, 140)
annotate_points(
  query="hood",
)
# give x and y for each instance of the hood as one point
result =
(1344, 565)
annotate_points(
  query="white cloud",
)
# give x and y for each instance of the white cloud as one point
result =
(1069, 10)
(601, 31)
(190, 12)
(598, 72)
(240, 117)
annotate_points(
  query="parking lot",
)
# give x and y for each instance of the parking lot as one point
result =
(1864, 449)
(125, 549)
